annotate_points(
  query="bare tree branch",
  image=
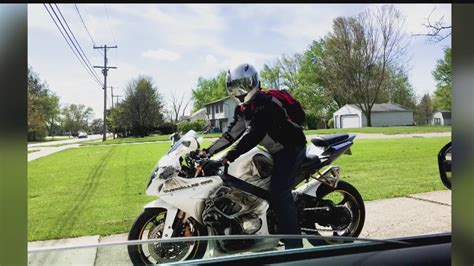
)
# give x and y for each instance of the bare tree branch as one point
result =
(178, 105)
(438, 30)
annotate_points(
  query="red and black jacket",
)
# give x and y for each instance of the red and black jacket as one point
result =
(261, 121)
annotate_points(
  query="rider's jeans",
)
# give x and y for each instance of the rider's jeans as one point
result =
(285, 162)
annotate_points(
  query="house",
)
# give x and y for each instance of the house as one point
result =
(221, 112)
(383, 114)
(199, 114)
(184, 118)
(441, 117)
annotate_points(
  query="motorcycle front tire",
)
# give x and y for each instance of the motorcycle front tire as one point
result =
(135, 252)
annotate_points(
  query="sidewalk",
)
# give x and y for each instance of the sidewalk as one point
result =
(418, 214)
(45, 151)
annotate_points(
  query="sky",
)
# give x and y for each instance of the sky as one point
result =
(176, 44)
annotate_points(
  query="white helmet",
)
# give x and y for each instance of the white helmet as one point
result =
(242, 83)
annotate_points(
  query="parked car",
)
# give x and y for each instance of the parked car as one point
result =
(444, 164)
(82, 135)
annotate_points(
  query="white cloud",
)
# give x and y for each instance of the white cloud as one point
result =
(38, 18)
(210, 59)
(161, 55)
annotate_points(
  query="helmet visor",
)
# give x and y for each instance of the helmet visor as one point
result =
(239, 87)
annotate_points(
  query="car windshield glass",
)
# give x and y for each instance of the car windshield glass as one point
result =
(334, 140)
(113, 251)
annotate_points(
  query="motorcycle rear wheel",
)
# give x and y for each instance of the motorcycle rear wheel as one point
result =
(149, 225)
(351, 200)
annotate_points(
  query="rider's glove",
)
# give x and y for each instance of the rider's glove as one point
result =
(205, 153)
(210, 167)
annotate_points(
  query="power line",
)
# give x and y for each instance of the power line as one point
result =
(89, 17)
(86, 60)
(69, 44)
(110, 28)
(83, 23)
(76, 52)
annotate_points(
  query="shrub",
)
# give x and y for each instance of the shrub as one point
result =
(196, 125)
(331, 123)
(312, 120)
(166, 128)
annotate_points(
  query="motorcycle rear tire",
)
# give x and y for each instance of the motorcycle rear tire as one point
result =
(349, 189)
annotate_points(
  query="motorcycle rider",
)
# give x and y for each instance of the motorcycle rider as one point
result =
(259, 120)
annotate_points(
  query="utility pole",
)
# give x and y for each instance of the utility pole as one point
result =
(114, 96)
(105, 69)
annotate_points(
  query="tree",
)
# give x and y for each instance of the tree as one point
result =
(270, 76)
(117, 121)
(311, 92)
(96, 126)
(282, 73)
(359, 53)
(76, 118)
(43, 107)
(208, 90)
(178, 105)
(52, 112)
(397, 89)
(442, 75)
(424, 110)
(143, 106)
(289, 67)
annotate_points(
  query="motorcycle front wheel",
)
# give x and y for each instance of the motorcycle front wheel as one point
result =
(349, 201)
(149, 225)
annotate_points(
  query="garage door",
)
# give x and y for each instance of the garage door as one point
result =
(350, 121)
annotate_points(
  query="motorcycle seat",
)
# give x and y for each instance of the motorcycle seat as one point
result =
(327, 140)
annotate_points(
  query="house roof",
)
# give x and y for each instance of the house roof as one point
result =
(198, 112)
(385, 107)
(445, 114)
(216, 101)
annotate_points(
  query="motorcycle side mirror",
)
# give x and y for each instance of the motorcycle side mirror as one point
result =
(444, 164)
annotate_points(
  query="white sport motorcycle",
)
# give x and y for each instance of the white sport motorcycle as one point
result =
(234, 201)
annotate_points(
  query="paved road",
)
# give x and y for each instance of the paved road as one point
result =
(418, 214)
(66, 141)
(47, 148)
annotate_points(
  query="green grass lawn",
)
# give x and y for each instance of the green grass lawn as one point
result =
(100, 189)
(49, 139)
(393, 167)
(152, 138)
(383, 130)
